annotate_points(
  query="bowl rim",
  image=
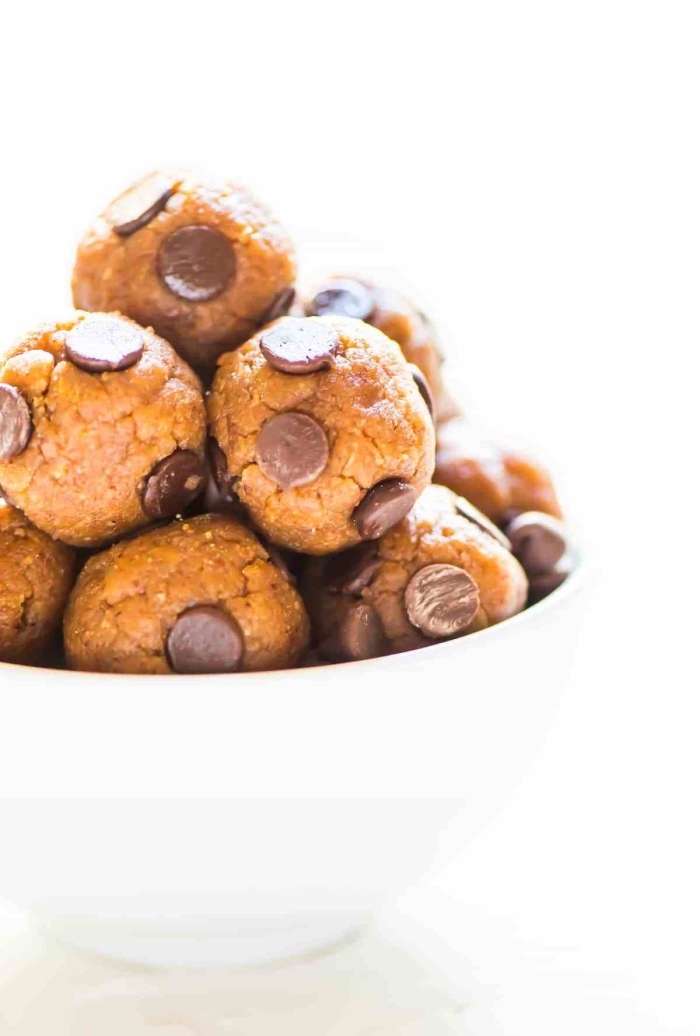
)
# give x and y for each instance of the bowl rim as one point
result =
(568, 588)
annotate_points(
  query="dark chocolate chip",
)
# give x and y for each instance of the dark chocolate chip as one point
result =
(137, 206)
(343, 297)
(173, 484)
(473, 514)
(300, 346)
(441, 600)
(538, 541)
(542, 584)
(358, 635)
(384, 505)
(281, 305)
(352, 570)
(205, 639)
(423, 388)
(99, 344)
(218, 465)
(196, 263)
(16, 424)
(292, 449)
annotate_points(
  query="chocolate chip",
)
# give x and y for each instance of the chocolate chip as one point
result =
(358, 635)
(205, 639)
(281, 305)
(473, 514)
(292, 449)
(100, 344)
(196, 263)
(542, 584)
(300, 346)
(441, 600)
(173, 484)
(352, 570)
(15, 423)
(343, 297)
(423, 388)
(384, 505)
(538, 541)
(137, 206)
(218, 465)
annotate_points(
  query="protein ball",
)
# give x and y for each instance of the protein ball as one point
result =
(36, 575)
(203, 261)
(200, 596)
(102, 428)
(443, 571)
(326, 437)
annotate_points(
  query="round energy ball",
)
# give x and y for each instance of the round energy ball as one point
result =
(442, 572)
(323, 431)
(398, 318)
(102, 428)
(36, 575)
(498, 480)
(202, 261)
(199, 596)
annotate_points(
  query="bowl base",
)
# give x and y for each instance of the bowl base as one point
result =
(220, 948)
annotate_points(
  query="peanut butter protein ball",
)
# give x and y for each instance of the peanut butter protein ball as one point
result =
(398, 318)
(199, 596)
(204, 262)
(442, 572)
(102, 428)
(36, 575)
(325, 436)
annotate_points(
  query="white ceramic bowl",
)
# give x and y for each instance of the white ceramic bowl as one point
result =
(206, 820)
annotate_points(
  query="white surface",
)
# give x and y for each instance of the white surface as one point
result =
(535, 169)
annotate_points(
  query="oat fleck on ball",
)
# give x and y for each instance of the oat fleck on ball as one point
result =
(325, 435)
(102, 428)
(197, 596)
(202, 261)
(36, 575)
(443, 571)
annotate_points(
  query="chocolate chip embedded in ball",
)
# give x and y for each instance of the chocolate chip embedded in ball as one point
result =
(358, 636)
(173, 484)
(441, 600)
(103, 343)
(352, 570)
(15, 423)
(542, 584)
(205, 639)
(384, 505)
(473, 514)
(300, 346)
(423, 388)
(538, 541)
(343, 297)
(137, 206)
(292, 449)
(196, 263)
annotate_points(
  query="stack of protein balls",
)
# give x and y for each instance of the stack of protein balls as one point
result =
(202, 471)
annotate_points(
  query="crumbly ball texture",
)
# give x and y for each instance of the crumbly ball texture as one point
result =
(128, 600)
(36, 575)
(366, 404)
(204, 292)
(433, 534)
(393, 314)
(500, 481)
(96, 437)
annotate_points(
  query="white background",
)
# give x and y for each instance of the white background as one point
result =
(533, 170)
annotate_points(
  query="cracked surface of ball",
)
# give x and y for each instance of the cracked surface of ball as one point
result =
(362, 433)
(36, 575)
(435, 567)
(201, 260)
(203, 595)
(92, 466)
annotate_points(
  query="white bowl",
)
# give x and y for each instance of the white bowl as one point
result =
(207, 820)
